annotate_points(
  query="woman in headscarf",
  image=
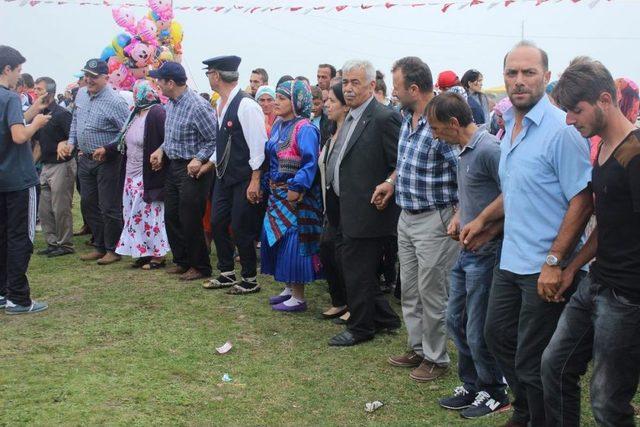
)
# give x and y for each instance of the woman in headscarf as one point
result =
(144, 236)
(497, 121)
(266, 96)
(293, 221)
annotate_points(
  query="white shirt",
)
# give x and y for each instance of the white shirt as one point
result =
(253, 127)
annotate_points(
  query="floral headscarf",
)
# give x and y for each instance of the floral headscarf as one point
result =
(145, 96)
(628, 98)
(503, 105)
(299, 92)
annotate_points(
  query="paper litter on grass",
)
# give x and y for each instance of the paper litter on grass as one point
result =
(225, 348)
(373, 406)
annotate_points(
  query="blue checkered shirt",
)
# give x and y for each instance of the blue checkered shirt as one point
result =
(190, 128)
(426, 169)
(97, 119)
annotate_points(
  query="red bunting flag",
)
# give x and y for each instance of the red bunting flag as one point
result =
(508, 2)
(341, 8)
(446, 7)
(389, 5)
(475, 2)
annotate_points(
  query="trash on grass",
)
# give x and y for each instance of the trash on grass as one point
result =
(373, 406)
(226, 378)
(224, 348)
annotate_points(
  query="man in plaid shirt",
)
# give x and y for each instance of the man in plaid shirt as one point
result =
(426, 190)
(97, 119)
(189, 141)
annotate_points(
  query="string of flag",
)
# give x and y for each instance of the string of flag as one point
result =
(443, 5)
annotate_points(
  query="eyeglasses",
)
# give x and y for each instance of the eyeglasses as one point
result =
(209, 72)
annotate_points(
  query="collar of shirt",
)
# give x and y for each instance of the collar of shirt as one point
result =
(183, 95)
(232, 95)
(408, 121)
(102, 92)
(357, 112)
(534, 115)
(473, 142)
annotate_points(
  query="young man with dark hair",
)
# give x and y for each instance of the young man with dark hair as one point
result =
(546, 203)
(259, 77)
(602, 319)
(427, 191)
(18, 180)
(483, 391)
(326, 72)
(58, 175)
(190, 138)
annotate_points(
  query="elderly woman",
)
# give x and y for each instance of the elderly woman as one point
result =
(266, 96)
(293, 222)
(144, 236)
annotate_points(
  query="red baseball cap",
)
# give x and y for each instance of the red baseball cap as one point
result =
(447, 79)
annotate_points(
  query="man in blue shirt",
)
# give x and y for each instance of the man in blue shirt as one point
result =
(18, 182)
(544, 173)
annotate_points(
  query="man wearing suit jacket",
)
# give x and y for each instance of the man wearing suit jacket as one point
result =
(359, 201)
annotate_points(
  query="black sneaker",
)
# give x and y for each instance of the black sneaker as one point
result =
(60, 251)
(485, 404)
(461, 399)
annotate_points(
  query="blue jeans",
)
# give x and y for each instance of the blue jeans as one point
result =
(599, 323)
(471, 278)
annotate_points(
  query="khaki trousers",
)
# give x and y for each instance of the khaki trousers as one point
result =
(57, 181)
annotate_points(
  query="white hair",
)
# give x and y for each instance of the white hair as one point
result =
(358, 64)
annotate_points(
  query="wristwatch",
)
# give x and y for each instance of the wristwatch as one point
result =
(390, 181)
(552, 261)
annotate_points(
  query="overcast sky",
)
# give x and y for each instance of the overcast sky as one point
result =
(58, 39)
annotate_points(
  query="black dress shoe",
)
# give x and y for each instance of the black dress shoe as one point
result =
(47, 250)
(60, 251)
(334, 315)
(346, 339)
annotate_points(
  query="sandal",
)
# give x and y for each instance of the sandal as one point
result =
(154, 265)
(239, 290)
(140, 262)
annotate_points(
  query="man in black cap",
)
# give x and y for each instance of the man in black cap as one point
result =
(97, 119)
(236, 194)
(189, 141)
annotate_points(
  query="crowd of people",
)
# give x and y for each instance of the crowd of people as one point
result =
(482, 204)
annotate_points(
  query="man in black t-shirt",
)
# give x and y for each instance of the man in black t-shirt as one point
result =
(58, 175)
(18, 182)
(602, 319)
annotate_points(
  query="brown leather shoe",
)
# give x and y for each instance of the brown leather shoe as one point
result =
(192, 274)
(410, 359)
(109, 258)
(428, 371)
(92, 256)
(176, 269)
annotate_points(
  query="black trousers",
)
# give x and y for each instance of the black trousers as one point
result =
(17, 230)
(229, 206)
(518, 327)
(101, 200)
(388, 267)
(370, 310)
(184, 206)
(332, 265)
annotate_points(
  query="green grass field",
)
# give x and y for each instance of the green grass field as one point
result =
(127, 347)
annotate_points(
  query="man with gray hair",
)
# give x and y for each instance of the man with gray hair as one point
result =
(360, 204)
(237, 196)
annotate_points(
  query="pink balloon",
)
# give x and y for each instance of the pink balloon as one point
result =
(124, 17)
